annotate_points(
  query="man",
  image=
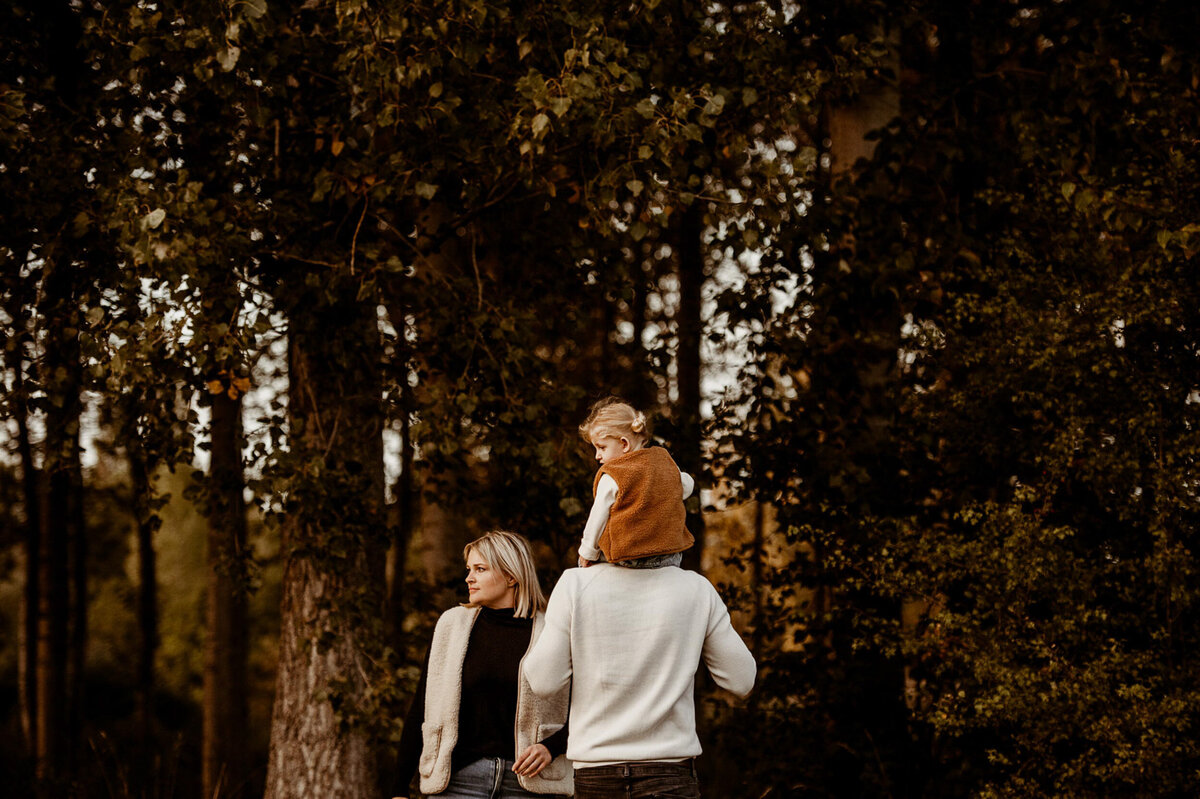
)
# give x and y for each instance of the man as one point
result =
(630, 641)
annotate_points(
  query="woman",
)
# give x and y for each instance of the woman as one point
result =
(459, 733)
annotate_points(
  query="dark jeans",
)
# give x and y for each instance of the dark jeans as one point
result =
(638, 781)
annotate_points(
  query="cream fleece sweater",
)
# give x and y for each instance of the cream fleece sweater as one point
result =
(629, 642)
(537, 716)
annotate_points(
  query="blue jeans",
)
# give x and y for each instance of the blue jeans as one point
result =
(488, 778)
(638, 781)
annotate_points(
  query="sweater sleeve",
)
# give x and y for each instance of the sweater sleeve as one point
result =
(548, 665)
(557, 743)
(689, 484)
(606, 495)
(411, 740)
(726, 655)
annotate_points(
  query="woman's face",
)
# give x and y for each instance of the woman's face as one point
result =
(487, 586)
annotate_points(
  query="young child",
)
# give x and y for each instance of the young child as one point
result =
(637, 518)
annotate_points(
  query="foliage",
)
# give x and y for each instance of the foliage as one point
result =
(968, 391)
(1020, 477)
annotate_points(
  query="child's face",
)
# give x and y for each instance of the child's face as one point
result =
(610, 447)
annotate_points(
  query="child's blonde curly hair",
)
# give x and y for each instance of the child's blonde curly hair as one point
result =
(612, 417)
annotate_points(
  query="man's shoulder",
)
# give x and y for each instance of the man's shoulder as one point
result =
(627, 579)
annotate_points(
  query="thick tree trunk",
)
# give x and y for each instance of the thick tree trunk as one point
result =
(331, 604)
(689, 330)
(223, 759)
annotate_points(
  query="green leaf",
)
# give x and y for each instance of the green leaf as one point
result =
(227, 57)
(559, 105)
(153, 219)
(715, 105)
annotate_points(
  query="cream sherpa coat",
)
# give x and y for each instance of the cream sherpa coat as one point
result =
(537, 717)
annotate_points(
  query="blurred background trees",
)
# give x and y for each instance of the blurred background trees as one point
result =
(298, 298)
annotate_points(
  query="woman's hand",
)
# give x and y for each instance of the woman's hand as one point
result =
(532, 761)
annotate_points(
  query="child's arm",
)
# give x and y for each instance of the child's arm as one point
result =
(606, 495)
(689, 485)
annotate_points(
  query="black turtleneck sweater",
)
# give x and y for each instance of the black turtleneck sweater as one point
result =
(487, 715)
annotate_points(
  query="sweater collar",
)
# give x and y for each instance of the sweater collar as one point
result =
(506, 616)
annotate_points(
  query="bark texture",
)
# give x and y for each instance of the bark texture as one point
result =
(330, 588)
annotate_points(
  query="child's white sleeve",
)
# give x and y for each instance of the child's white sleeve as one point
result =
(689, 485)
(606, 495)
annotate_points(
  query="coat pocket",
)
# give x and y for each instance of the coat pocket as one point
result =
(559, 767)
(431, 735)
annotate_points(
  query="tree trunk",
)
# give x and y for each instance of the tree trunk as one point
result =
(330, 606)
(147, 597)
(642, 391)
(77, 659)
(60, 459)
(30, 478)
(689, 330)
(51, 694)
(402, 529)
(223, 759)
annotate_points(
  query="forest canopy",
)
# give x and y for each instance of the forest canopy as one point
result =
(297, 298)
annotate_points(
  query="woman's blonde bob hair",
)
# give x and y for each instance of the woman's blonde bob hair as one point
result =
(510, 553)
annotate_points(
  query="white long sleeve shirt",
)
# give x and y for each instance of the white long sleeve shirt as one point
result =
(606, 495)
(630, 642)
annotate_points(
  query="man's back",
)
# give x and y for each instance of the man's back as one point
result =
(632, 640)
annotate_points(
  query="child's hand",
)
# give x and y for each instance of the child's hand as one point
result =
(584, 562)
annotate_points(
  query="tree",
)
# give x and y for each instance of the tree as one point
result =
(992, 468)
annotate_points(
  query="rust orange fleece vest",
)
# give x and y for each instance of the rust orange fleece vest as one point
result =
(647, 517)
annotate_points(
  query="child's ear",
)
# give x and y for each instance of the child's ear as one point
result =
(625, 445)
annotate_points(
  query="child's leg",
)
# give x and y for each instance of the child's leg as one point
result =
(652, 562)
